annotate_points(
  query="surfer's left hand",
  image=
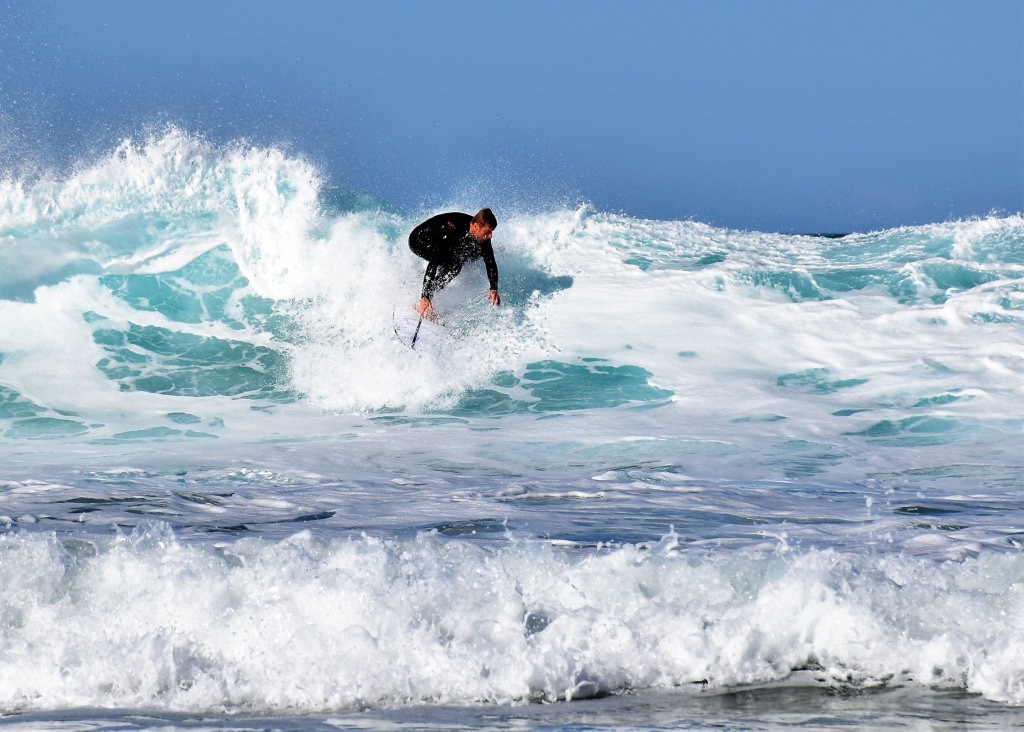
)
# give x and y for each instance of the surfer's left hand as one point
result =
(494, 297)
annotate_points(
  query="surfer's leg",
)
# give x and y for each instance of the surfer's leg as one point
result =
(444, 274)
(437, 275)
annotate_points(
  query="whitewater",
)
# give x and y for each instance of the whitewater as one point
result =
(683, 476)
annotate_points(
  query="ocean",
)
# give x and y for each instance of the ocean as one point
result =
(683, 477)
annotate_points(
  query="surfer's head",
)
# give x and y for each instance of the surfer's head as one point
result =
(483, 225)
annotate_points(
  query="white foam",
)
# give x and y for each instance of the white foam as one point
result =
(760, 371)
(312, 624)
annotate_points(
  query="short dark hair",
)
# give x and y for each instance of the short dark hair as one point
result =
(485, 217)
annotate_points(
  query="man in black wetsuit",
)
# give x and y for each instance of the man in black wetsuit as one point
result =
(449, 240)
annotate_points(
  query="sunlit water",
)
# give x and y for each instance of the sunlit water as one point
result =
(684, 476)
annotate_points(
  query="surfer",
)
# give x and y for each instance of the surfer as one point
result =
(449, 240)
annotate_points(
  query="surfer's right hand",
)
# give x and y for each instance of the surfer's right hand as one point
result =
(425, 309)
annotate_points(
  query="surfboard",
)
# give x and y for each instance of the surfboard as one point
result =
(417, 332)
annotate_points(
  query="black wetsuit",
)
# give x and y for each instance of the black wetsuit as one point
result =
(445, 242)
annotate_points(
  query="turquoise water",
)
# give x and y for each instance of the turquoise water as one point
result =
(684, 476)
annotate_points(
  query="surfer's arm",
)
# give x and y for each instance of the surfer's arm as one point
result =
(487, 253)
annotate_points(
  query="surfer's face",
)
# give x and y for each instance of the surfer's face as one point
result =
(480, 232)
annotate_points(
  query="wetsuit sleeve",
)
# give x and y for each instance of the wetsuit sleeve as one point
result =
(487, 252)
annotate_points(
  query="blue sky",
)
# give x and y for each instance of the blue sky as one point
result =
(793, 115)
